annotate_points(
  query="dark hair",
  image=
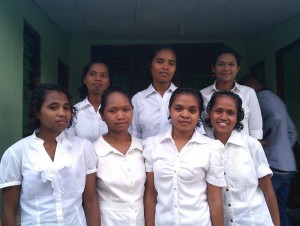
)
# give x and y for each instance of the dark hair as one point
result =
(227, 49)
(153, 52)
(38, 98)
(240, 111)
(107, 93)
(194, 92)
(83, 91)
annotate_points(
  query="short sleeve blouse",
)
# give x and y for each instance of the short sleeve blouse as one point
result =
(51, 191)
(180, 177)
(244, 163)
(120, 183)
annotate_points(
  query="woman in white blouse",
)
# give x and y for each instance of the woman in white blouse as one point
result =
(225, 66)
(121, 170)
(184, 169)
(248, 197)
(95, 79)
(51, 173)
(150, 112)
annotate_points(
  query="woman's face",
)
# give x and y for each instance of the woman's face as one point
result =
(225, 68)
(97, 79)
(163, 66)
(117, 113)
(184, 113)
(55, 113)
(223, 115)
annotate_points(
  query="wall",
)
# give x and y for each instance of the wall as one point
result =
(54, 45)
(263, 45)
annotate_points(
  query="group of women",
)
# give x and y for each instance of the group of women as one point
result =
(143, 161)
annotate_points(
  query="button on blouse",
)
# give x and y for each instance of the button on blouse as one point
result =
(51, 191)
(120, 183)
(180, 178)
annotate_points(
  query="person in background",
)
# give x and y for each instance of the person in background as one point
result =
(184, 169)
(248, 197)
(280, 136)
(51, 173)
(121, 170)
(150, 106)
(95, 79)
(225, 66)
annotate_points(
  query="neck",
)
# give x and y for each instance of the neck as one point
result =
(47, 136)
(181, 138)
(117, 137)
(178, 135)
(223, 137)
(161, 88)
(225, 85)
(95, 100)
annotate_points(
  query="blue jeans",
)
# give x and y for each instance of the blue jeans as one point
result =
(281, 183)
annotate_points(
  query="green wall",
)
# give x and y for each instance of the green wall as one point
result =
(54, 45)
(263, 45)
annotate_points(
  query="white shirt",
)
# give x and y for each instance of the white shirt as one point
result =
(89, 124)
(244, 163)
(180, 178)
(150, 112)
(120, 184)
(253, 120)
(51, 191)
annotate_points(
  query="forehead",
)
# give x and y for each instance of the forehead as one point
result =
(117, 98)
(98, 66)
(228, 57)
(165, 53)
(185, 99)
(55, 96)
(226, 101)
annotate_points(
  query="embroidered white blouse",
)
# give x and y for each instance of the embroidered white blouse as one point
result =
(89, 124)
(252, 121)
(180, 178)
(120, 184)
(244, 163)
(51, 191)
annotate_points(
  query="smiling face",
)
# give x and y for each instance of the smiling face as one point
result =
(223, 116)
(163, 66)
(97, 78)
(184, 113)
(117, 112)
(225, 68)
(55, 113)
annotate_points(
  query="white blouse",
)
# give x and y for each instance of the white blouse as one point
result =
(120, 184)
(252, 121)
(51, 191)
(180, 178)
(244, 163)
(150, 112)
(89, 124)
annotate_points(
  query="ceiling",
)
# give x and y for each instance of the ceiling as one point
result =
(166, 19)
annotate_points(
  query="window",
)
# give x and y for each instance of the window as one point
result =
(31, 70)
